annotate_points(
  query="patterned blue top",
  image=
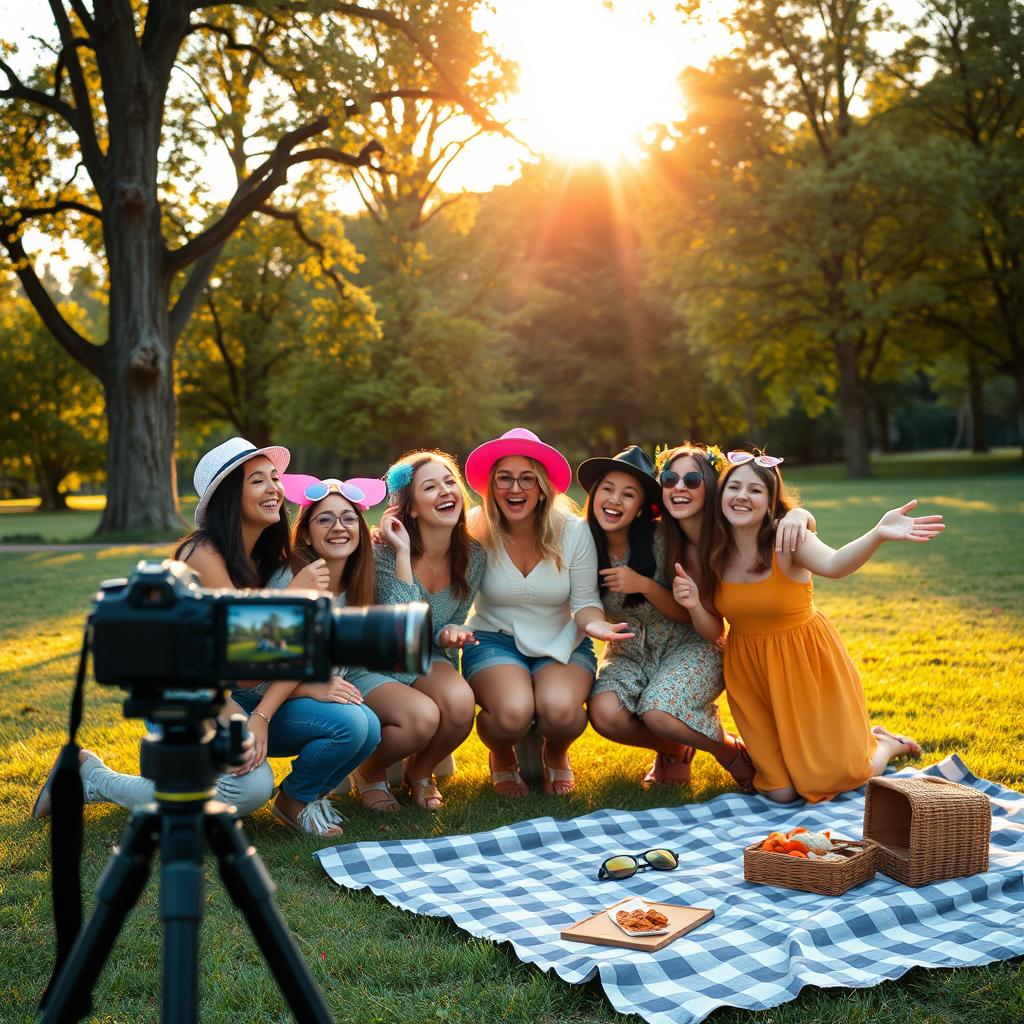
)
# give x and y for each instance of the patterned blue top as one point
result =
(445, 607)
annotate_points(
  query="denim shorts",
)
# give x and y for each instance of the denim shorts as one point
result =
(500, 649)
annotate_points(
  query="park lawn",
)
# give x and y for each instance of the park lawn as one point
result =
(937, 630)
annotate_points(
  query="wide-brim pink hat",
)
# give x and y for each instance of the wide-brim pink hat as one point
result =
(517, 441)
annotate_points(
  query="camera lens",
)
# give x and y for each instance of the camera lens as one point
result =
(386, 638)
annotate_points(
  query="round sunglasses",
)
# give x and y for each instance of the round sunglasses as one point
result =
(320, 489)
(624, 865)
(692, 480)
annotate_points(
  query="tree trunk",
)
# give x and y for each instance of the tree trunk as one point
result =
(138, 372)
(852, 409)
(51, 498)
(883, 425)
(979, 440)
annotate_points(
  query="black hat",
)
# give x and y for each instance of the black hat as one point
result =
(630, 460)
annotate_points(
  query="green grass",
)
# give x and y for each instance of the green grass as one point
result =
(937, 630)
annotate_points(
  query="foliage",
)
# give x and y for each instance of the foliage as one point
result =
(108, 129)
(52, 420)
(274, 302)
(960, 76)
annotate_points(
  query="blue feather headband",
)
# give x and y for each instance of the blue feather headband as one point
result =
(398, 477)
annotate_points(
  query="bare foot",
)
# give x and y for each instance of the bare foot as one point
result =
(891, 745)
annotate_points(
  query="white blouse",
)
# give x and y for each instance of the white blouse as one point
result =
(537, 609)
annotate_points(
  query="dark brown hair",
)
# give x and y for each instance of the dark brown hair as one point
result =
(359, 577)
(724, 544)
(676, 541)
(222, 530)
(459, 545)
(640, 539)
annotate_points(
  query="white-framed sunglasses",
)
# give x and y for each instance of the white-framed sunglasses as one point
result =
(739, 458)
(320, 489)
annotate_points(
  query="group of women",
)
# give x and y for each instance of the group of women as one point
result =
(519, 587)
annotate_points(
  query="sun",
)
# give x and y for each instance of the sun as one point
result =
(593, 76)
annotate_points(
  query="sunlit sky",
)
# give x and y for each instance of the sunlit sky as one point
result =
(593, 76)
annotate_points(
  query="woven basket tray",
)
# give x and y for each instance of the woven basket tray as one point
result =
(825, 877)
(927, 829)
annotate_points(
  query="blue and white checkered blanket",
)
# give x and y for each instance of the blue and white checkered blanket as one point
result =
(526, 882)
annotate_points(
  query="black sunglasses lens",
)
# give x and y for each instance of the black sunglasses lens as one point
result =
(693, 480)
(661, 860)
(619, 867)
(669, 478)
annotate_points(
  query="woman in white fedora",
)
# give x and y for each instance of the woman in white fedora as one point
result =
(536, 611)
(240, 540)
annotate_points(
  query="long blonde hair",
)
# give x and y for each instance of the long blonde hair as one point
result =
(553, 508)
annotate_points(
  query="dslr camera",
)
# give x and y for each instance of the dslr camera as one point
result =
(159, 630)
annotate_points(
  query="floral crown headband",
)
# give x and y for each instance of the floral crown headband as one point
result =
(711, 452)
(305, 490)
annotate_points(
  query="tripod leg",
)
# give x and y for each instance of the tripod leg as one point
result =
(119, 888)
(182, 845)
(251, 888)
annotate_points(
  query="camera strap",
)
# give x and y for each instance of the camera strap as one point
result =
(66, 833)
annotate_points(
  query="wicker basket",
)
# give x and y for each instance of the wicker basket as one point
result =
(927, 829)
(825, 877)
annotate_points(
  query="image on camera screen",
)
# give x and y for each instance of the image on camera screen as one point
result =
(264, 632)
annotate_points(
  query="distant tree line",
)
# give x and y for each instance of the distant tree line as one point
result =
(825, 256)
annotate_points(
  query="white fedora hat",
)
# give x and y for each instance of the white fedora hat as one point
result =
(215, 465)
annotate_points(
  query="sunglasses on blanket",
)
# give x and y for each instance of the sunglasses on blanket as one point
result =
(624, 865)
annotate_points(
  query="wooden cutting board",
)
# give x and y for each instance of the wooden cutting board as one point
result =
(601, 930)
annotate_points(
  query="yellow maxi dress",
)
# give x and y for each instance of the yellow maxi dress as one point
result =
(793, 690)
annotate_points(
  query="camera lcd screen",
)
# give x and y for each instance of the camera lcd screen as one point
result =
(265, 634)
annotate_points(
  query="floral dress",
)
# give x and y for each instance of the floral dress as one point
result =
(668, 666)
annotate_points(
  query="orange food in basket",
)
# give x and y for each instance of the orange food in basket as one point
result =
(791, 844)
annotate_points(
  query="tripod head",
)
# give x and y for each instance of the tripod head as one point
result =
(191, 748)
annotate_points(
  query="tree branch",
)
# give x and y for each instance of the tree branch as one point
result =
(90, 356)
(85, 127)
(292, 216)
(261, 184)
(19, 91)
(27, 212)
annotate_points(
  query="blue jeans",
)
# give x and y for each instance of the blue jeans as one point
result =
(327, 741)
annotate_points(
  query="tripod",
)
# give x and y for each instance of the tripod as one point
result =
(183, 764)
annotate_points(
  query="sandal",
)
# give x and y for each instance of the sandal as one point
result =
(512, 781)
(424, 792)
(558, 781)
(375, 796)
(741, 767)
(317, 818)
(670, 769)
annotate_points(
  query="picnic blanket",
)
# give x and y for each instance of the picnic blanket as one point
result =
(524, 883)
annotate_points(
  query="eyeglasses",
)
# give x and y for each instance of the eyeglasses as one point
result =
(691, 480)
(314, 492)
(326, 520)
(623, 865)
(739, 458)
(506, 481)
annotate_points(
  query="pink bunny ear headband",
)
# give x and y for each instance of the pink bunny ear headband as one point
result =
(304, 490)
